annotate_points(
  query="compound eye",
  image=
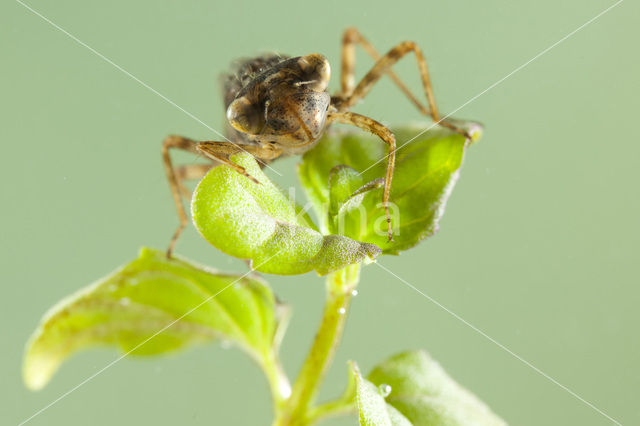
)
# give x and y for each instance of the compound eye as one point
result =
(317, 71)
(245, 116)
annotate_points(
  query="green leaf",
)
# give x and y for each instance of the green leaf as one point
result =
(373, 409)
(425, 173)
(423, 392)
(258, 222)
(136, 308)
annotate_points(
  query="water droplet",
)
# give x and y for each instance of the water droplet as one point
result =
(354, 293)
(225, 344)
(342, 311)
(385, 390)
(134, 281)
(125, 301)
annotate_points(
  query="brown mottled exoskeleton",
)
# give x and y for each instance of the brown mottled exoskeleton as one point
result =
(279, 106)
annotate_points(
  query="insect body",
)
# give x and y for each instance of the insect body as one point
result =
(279, 106)
(284, 105)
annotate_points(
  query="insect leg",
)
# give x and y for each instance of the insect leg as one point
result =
(176, 178)
(190, 172)
(221, 151)
(350, 39)
(388, 137)
(383, 65)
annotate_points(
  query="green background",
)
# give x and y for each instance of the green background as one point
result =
(538, 248)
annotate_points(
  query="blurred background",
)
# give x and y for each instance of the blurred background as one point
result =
(538, 247)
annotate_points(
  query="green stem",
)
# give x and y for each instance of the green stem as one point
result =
(339, 286)
(278, 381)
(339, 407)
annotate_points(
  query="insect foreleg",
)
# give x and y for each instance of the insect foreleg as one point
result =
(222, 151)
(176, 177)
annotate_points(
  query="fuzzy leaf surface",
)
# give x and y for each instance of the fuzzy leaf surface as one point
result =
(423, 392)
(151, 306)
(426, 170)
(258, 222)
(372, 408)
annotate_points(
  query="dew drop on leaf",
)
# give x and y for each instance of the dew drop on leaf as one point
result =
(385, 390)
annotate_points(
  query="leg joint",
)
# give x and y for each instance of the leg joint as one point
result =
(351, 35)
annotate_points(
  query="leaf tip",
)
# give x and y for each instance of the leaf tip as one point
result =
(37, 369)
(474, 129)
(372, 251)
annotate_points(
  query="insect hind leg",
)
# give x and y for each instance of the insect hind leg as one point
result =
(383, 66)
(350, 39)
